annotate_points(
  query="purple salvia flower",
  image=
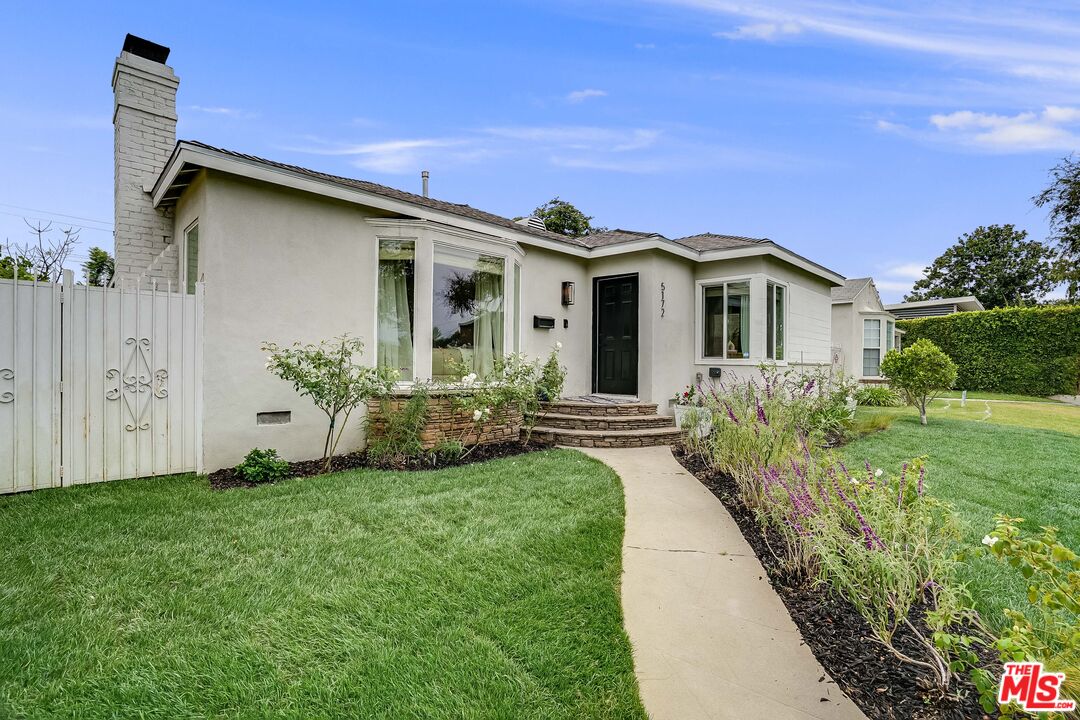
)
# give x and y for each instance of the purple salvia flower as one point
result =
(731, 413)
(761, 415)
(809, 387)
(922, 474)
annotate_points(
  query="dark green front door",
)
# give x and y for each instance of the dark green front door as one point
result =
(616, 341)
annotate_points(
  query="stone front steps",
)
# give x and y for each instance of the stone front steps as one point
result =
(604, 425)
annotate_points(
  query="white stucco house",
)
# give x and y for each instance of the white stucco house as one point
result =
(287, 253)
(863, 330)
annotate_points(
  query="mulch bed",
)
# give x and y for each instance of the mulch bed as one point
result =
(227, 478)
(875, 680)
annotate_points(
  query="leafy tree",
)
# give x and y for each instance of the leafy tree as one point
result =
(331, 375)
(921, 371)
(43, 258)
(11, 263)
(562, 217)
(99, 268)
(996, 264)
(1062, 198)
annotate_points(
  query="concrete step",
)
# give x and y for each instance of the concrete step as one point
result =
(640, 437)
(591, 409)
(568, 421)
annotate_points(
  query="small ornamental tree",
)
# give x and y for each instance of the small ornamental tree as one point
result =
(331, 375)
(921, 371)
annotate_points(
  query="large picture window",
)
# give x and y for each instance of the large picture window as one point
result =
(727, 320)
(871, 348)
(396, 318)
(466, 312)
(776, 305)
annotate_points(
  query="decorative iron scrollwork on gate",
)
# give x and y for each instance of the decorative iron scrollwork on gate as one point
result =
(137, 384)
(8, 395)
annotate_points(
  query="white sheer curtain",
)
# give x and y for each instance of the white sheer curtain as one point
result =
(395, 334)
(488, 329)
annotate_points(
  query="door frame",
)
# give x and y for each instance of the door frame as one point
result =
(596, 328)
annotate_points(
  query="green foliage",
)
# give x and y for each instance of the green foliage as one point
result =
(1052, 573)
(552, 377)
(1026, 351)
(10, 264)
(920, 371)
(400, 431)
(562, 217)
(99, 267)
(1062, 198)
(263, 466)
(331, 375)
(878, 396)
(996, 264)
(514, 384)
(449, 450)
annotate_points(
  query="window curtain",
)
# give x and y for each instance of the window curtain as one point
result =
(395, 334)
(488, 329)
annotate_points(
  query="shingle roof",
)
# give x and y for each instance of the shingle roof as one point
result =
(713, 241)
(616, 237)
(849, 290)
(395, 194)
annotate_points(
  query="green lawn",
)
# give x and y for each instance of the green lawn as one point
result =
(1008, 463)
(976, 395)
(485, 591)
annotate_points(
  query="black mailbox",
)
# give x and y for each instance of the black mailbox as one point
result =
(716, 372)
(543, 323)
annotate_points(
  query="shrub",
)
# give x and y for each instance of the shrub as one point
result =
(1052, 571)
(552, 377)
(921, 371)
(878, 396)
(263, 466)
(400, 434)
(1026, 351)
(330, 374)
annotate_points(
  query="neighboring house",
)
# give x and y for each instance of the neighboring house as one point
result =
(934, 308)
(286, 253)
(863, 329)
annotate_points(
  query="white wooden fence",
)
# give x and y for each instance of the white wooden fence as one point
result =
(97, 383)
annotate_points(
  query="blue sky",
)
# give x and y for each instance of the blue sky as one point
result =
(866, 136)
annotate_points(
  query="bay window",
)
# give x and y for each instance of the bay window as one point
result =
(727, 320)
(775, 309)
(871, 348)
(396, 298)
(466, 312)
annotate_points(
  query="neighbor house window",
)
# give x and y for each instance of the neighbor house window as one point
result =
(191, 258)
(396, 318)
(871, 354)
(466, 313)
(775, 306)
(890, 334)
(727, 320)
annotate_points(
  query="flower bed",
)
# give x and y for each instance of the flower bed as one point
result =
(446, 419)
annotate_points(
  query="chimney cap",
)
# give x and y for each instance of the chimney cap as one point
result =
(145, 49)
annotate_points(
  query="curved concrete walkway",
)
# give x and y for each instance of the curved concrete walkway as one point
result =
(711, 638)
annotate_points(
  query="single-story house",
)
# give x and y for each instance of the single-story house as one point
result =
(934, 308)
(863, 329)
(286, 253)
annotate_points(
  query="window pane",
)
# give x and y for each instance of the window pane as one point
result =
(714, 322)
(781, 299)
(466, 313)
(770, 321)
(397, 265)
(871, 362)
(872, 333)
(191, 254)
(738, 320)
(890, 333)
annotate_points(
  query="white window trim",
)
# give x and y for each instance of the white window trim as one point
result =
(183, 254)
(772, 330)
(880, 346)
(423, 291)
(758, 283)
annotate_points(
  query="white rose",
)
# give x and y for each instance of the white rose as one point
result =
(477, 415)
(854, 481)
(878, 472)
(558, 345)
(990, 541)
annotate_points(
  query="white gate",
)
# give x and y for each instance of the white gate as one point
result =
(97, 383)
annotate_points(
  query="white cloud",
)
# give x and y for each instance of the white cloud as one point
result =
(221, 110)
(578, 96)
(1050, 129)
(762, 31)
(388, 156)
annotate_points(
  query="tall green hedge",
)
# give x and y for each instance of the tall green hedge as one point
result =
(1027, 351)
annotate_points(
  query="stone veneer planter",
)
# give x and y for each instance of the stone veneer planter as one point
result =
(447, 423)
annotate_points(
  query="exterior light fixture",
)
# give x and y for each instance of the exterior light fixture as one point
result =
(568, 293)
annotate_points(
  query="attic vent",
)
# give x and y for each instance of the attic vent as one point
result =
(532, 222)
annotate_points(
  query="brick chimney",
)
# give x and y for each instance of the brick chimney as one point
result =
(144, 121)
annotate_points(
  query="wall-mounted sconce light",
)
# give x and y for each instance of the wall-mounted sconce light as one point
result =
(568, 293)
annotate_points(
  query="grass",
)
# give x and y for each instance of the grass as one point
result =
(976, 395)
(484, 591)
(1010, 464)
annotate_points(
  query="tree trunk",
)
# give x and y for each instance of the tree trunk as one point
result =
(922, 412)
